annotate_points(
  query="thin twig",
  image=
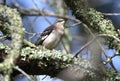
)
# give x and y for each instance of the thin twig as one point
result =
(24, 73)
(2, 36)
(107, 35)
(94, 37)
(96, 40)
(41, 12)
(111, 14)
(44, 77)
(109, 60)
(36, 33)
(31, 28)
(64, 47)
(111, 63)
(75, 24)
(45, 17)
(84, 46)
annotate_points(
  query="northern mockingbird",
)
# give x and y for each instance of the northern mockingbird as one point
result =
(52, 35)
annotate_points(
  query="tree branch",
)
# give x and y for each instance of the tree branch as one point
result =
(42, 61)
(95, 21)
(16, 43)
(39, 12)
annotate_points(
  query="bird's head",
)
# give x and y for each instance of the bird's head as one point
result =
(60, 22)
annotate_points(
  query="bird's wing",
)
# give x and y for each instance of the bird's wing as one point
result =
(44, 35)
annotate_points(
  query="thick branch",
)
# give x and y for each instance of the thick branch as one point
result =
(94, 20)
(16, 43)
(38, 62)
(6, 22)
(42, 61)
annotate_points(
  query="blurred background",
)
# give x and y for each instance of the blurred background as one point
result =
(75, 36)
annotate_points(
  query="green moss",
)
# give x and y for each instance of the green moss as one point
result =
(94, 20)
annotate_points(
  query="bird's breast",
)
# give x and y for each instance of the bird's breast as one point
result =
(52, 40)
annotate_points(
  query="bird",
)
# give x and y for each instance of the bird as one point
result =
(52, 35)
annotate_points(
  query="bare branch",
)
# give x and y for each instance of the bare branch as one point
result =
(108, 35)
(24, 73)
(39, 12)
(94, 37)
(111, 14)
(64, 47)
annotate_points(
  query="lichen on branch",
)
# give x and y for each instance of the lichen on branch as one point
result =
(95, 21)
(10, 18)
(51, 62)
